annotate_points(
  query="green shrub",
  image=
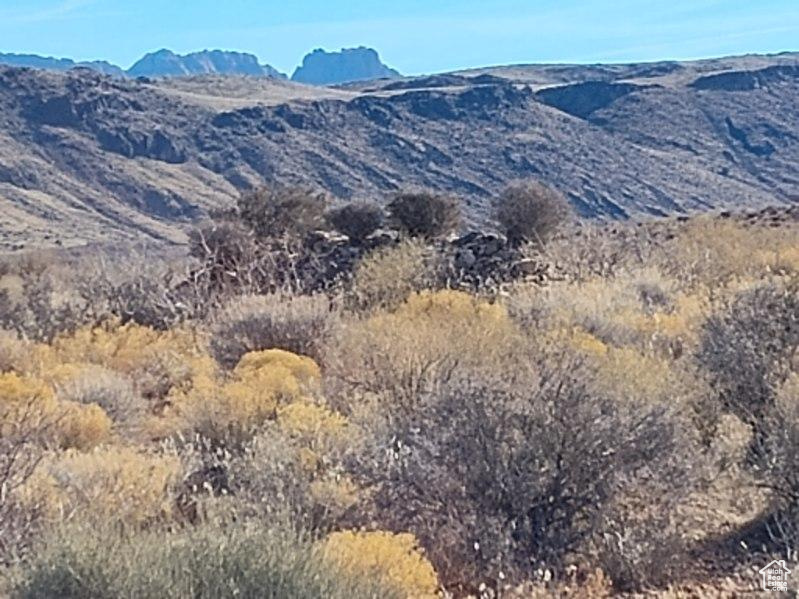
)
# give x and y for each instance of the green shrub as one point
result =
(425, 214)
(208, 562)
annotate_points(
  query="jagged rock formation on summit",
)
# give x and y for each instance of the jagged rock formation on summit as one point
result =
(166, 63)
(163, 63)
(348, 65)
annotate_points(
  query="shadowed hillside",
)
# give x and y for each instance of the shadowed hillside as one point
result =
(88, 158)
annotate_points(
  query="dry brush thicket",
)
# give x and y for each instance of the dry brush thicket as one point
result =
(216, 426)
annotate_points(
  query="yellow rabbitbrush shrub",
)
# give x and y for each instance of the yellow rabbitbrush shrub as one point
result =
(311, 423)
(627, 374)
(282, 363)
(84, 426)
(317, 431)
(387, 276)
(30, 402)
(398, 355)
(158, 361)
(261, 383)
(113, 484)
(21, 395)
(394, 559)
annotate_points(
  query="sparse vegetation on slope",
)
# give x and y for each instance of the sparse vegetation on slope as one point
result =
(616, 414)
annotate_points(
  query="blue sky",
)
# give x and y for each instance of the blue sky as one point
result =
(415, 36)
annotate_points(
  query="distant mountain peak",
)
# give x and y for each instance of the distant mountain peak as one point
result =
(321, 67)
(58, 64)
(166, 63)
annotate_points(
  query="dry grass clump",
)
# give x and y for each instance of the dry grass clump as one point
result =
(286, 473)
(113, 484)
(207, 562)
(299, 324)
(111, 390)
(713, 253)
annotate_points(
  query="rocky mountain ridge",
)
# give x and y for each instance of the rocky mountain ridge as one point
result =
(318, 68)
(165, 63)
(35, 61)
(89, 158)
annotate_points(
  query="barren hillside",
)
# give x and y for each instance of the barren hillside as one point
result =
(86, 158)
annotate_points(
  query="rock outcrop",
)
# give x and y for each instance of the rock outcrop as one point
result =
(347, 66)
(472, 260)
(166, 63)
(584, 99)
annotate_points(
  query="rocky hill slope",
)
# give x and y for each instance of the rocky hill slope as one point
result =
(88, 158)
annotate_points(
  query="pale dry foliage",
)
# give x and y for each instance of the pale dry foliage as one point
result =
(626, 423)
(386, 277)
(397, 356)
(394, 559)
(299, 324)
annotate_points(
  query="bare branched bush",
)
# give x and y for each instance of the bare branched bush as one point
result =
(146, 288)
(229, 256)
(595, 251)
(22, 444)
(234, 261)
(274, 212)
(530, 212)
(356, 220)
(299, 324)
(498, 481)
(425, 214)
(777, 467)
(749, 348)
(42, 307)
